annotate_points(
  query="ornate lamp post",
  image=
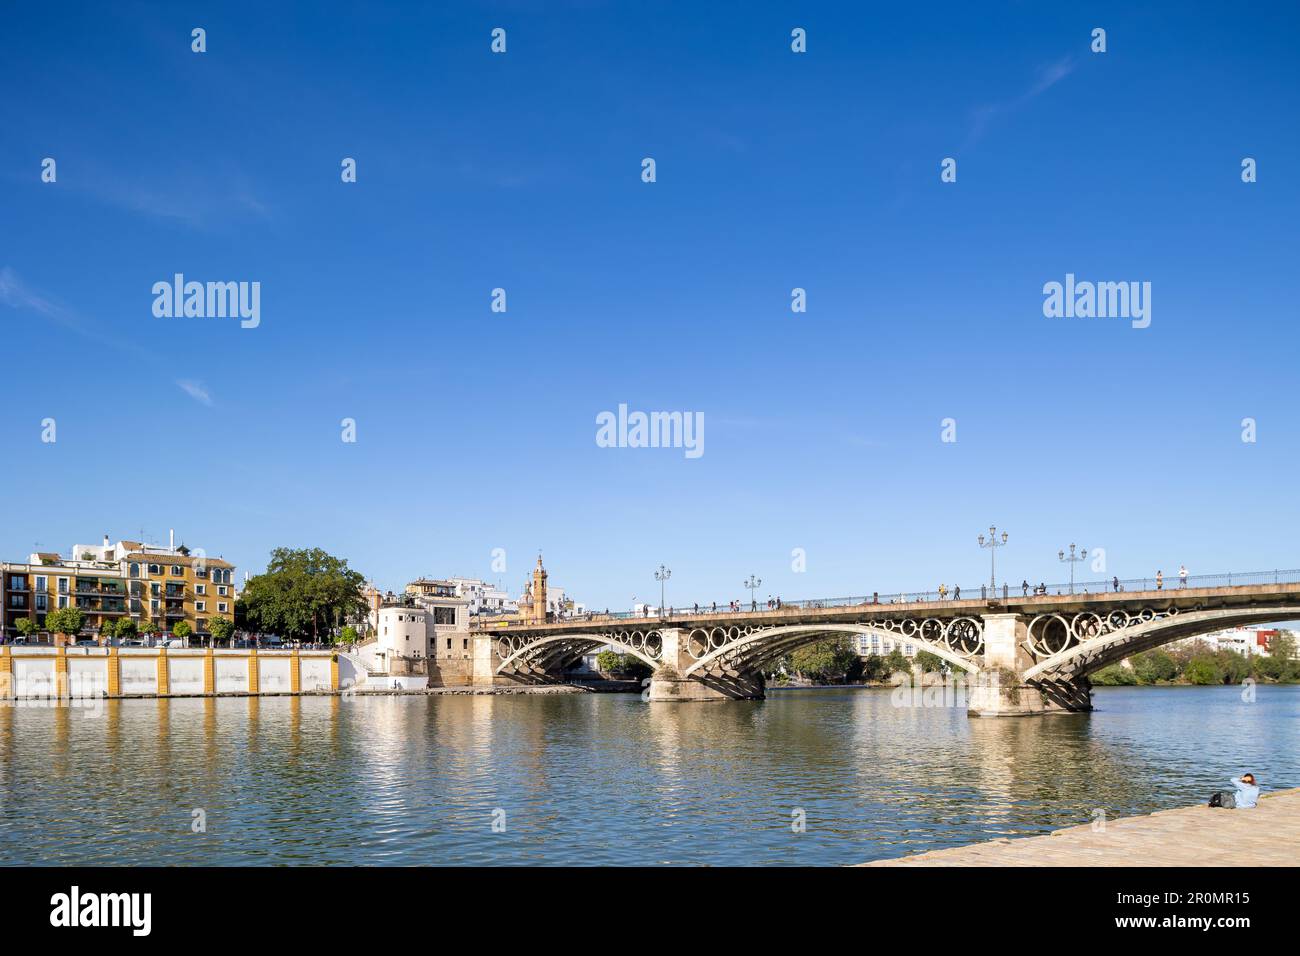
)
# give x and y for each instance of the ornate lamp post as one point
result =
(753, 584)
(1072, 560)
(662, 575)
(993, 544)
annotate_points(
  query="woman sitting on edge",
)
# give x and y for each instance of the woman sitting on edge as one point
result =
(1244, 797)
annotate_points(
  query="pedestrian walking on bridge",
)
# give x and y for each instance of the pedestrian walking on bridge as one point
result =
(1182, 576)
(1160, 580)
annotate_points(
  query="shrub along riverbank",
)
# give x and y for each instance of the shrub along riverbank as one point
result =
(1199, 663)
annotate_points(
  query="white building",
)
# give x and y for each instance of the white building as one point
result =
(402, 631)
(881, 644)
(484, 598)
(1250, 641)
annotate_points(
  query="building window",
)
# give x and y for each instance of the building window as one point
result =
(178, 571)
(155, 569)
(221, 590)
(41, 599)
(221, 607)
(153, 605)
(135, 570)
(40, 582)
(444, 615)
(63, 586)
(63, 600)
(200, 589)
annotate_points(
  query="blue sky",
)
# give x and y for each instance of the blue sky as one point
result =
(476, 430)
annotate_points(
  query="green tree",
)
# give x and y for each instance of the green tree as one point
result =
(182, 630)
(814, 661)
(1234, 667)
(348, 635)
(896, 661)
(221, 629)
(929, 662)
(303, 593)
(826, 661)
(1116, 675)
(27, 626)
(1151, 667)
(873, 668)
(1203, 669)
(125, 629)
(67, 621)
(108, 629)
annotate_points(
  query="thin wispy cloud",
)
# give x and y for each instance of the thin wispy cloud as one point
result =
(982, 116)
(195, 390)
(16, 294)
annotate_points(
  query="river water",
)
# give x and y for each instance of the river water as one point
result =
(604, 778)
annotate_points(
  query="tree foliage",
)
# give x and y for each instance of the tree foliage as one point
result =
(221, 628)
(828, 661)
(66, 620)
(303, 593)
(929, 662)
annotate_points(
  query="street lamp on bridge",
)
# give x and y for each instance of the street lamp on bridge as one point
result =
(753, 584)
(993, 544)
(1072, 560)
(662, 575)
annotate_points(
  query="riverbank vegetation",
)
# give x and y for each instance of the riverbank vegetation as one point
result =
(838, 662)
(1199, 663)
(305, 594)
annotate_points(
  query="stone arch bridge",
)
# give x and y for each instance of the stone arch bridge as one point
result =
(1023, 656)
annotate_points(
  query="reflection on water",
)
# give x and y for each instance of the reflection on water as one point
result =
(604, 778)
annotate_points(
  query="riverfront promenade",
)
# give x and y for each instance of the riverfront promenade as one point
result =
(1268, 835)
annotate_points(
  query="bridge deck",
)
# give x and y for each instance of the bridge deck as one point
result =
(1268, 835)
(1183, 598)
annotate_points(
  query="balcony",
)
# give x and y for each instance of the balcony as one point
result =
(176, 612)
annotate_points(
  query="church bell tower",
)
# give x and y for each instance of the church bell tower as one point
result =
(539, 615)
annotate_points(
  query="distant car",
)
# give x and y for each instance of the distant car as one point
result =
(173, 642)
(86, 642)
(133, 643)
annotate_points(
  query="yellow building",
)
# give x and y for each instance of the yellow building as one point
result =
(150, 584)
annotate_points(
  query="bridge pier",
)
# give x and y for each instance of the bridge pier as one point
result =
(668, 684)
(1000, 691)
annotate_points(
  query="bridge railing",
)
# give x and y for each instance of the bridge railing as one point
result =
(1003, 592)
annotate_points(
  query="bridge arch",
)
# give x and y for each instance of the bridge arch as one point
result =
(750, 652)
(1143, 633)
(549, 653)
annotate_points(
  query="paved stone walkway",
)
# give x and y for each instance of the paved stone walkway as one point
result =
(1268, 835)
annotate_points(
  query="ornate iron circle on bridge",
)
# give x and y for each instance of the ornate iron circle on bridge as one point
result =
(964, 635)
(1049, 634)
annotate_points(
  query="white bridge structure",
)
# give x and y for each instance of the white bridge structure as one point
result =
(1031, 653)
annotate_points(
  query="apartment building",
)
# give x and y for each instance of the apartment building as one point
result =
(112, 580)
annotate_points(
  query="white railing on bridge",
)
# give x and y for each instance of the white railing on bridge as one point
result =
(1003, 592)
